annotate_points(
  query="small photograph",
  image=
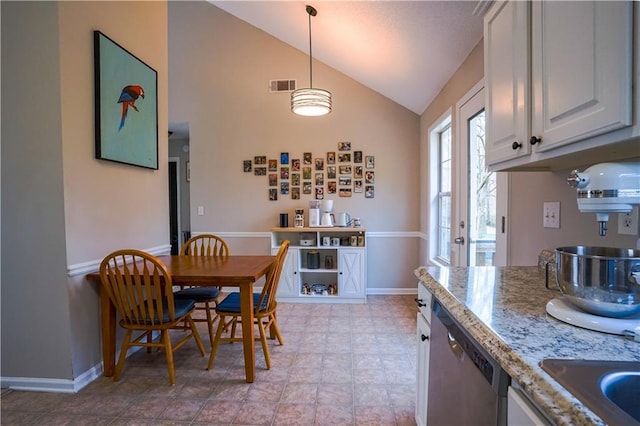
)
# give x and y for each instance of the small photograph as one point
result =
(345, 180)
(331, 157)
(357, 185)
(306, 158)
(273, 165)
(319, 179)
(319, 163)
(319, 193)
(369, 191)
(306, 173)
(295, 193)
(331, 187)
(345, 170)
(344, 146)
(273, 179)
(345, 192)
(284, 188)
(260, 171)
(306, 187)
(295, 179)
(344, 158)
(369, 162)
(284, 158)
(357, 156)
(357, 172)
(295, 165)
(260, 159)
(369, 177)
(273, 194)
(331, 172)
(284, 173)
(246, 166)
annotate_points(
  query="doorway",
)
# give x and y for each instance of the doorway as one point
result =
(479, 229)
(174, 204)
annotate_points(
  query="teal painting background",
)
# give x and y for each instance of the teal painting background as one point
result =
(137, 142)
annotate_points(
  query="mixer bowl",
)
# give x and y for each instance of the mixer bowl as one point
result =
(600, 280)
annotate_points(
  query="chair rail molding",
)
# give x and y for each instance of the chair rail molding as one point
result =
(93, 265)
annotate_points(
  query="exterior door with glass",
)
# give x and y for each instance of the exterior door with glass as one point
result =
(478, 230)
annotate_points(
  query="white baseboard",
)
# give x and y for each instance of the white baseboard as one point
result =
(392, 291)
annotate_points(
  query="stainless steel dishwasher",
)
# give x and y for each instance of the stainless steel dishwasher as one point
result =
(466, 386)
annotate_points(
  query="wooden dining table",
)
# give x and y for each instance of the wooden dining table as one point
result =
(232, 271)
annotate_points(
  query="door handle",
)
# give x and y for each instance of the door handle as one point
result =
(459, 240)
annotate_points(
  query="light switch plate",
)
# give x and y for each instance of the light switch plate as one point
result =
(551, 214)
(200, 210)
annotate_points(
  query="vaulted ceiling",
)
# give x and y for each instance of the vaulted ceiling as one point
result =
(405, 50)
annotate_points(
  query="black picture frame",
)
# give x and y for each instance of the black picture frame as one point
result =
(126, 105)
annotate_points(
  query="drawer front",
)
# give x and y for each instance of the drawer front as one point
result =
(424, 301)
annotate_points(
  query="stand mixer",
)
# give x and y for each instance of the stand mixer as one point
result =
(607, 188)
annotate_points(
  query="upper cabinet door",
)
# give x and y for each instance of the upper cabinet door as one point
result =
(581, 70)
(506, 38)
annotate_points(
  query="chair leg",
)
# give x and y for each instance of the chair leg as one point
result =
(275, 329)
(169, 352)
(196, 336)
(216, 341)
(210, 320)
(123, 355)
(263, 340)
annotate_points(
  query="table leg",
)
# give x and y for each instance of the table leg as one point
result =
(108, 319)
(248, 338)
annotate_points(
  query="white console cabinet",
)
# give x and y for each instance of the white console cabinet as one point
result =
(323, 264)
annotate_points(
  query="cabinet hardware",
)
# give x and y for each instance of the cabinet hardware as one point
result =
(534, 140)
(423, 337)
(419, 302)
(459, 240)
(516, 145)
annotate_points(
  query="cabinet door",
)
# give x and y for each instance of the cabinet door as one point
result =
(506, 32)
(582, 70)
(422, 372)
(351, 273)
(289, 279)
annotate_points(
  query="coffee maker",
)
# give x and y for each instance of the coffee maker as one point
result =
(327, 218)
(314, 213)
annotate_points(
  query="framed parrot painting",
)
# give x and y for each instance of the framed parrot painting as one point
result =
(126, 111)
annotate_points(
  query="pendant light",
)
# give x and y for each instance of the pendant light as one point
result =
(311, 102)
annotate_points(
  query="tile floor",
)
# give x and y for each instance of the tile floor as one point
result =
(340, 364)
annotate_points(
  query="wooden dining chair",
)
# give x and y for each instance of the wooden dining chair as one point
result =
(264, 312)
(140, 287)
(206, 297)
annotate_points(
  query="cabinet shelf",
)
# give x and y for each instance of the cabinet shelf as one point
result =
(346, 279)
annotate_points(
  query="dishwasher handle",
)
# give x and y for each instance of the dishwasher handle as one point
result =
(454, 345)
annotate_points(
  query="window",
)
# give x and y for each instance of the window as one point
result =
(440, 191)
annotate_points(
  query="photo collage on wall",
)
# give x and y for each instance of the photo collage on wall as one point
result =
(344, 172)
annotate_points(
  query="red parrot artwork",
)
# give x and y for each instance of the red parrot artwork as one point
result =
(128, 98)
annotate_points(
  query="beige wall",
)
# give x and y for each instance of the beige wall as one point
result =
(61, 207)
(528, 190)
(221, 89)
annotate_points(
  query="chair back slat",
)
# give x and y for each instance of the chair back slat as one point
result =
(268, 294)
(139, 286)
(205, 245)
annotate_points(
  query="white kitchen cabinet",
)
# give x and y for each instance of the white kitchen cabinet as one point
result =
(422, 361)
(340, 273)
(521, 412)
(558, 75)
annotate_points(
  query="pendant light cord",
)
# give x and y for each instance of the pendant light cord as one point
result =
(310, 54)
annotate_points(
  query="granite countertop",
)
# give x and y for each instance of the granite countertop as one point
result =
(504, 308)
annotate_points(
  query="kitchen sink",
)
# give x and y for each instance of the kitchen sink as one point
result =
(611, 389)
(623, 389)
